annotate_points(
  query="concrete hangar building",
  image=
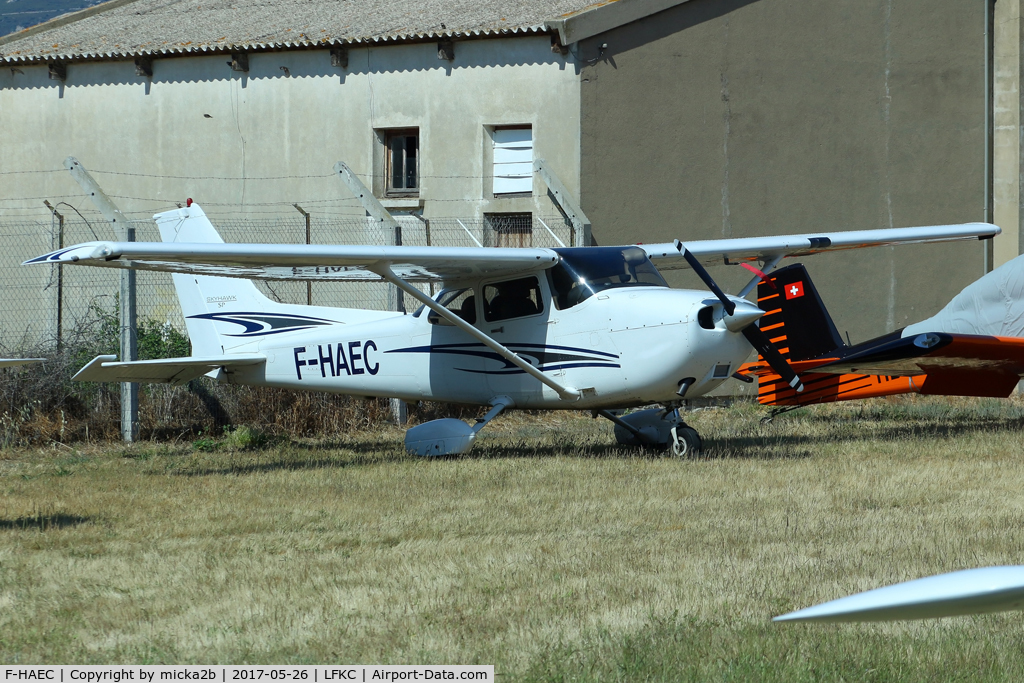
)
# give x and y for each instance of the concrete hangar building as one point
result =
(662, 118)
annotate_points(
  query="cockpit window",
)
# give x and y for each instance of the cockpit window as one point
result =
(581, 273)
(512, 299)
(461, 302)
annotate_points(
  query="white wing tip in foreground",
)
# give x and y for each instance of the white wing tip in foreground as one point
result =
(971, 591)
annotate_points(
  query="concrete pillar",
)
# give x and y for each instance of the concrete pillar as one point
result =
(1008, 142)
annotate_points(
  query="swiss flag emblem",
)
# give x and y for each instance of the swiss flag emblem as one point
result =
(794, 290)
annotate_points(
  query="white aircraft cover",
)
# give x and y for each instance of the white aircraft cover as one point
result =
(993, 305)
(971, 591)
(425, 264)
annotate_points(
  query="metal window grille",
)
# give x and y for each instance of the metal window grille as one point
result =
(510, 229)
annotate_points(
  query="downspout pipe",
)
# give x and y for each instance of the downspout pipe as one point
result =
(989, 255)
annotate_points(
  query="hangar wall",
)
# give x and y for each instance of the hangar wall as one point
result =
(732, 118)
(246, 146)
(196, 127)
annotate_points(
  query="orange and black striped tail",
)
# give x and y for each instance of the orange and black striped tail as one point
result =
(798, 324)
(795, 318)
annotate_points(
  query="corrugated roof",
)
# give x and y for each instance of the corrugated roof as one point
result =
(127, 28)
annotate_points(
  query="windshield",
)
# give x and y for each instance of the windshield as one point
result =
(581, 273)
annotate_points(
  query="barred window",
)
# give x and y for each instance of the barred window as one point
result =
(509, 229)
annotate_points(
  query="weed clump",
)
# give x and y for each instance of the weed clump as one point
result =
(39, 404)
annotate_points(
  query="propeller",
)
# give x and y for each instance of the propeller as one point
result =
(745, 322)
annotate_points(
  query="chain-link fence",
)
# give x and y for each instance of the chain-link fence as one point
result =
(43, 304)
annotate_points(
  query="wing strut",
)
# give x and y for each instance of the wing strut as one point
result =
(567, 393)
(767, 268)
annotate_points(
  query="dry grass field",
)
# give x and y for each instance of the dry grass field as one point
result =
(547, 551)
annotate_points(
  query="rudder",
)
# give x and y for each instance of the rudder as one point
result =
(795, 317)
(205, 300)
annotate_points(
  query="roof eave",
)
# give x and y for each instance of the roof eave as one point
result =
(228, 48)
(604, 17)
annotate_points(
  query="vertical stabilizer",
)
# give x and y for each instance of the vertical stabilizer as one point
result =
(223, 312)
(795, 317)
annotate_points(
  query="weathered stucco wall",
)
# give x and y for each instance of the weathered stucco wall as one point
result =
(248, 146)
(730, 118)
(199, 121)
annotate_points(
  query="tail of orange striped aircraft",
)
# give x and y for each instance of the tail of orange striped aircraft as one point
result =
(934, 356)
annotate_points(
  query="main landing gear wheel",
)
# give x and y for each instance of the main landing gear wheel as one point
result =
(657, 429)
(685, 442)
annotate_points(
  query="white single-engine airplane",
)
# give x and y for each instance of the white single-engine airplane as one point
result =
(593, 328)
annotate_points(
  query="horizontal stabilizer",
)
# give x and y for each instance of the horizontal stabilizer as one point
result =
(161, 371)
(11, 362)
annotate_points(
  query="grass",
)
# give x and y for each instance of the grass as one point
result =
(547, 551)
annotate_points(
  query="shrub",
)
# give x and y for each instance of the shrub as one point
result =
(40, 403)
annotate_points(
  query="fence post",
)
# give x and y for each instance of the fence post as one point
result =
(60, 276)
(123, 230)
(399, 409)
(129, 350)
(373, 208)
(309, 285)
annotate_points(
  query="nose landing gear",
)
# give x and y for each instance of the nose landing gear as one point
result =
(685, 441)
(658, 429)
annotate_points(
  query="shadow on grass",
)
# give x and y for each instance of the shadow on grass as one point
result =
(953, 427)
(43, 521)
(775, 444)
(781, 443)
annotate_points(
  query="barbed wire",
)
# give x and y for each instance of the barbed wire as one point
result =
(361, 174)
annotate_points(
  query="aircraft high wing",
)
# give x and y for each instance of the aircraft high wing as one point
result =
(970, 591)
(425, 264)
(767, 249)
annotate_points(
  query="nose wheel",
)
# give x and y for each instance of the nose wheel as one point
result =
(685, 441)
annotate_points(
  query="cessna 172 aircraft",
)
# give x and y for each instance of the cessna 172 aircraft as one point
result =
(593, 328)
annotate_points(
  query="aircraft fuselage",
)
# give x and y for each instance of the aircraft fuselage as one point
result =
(620, 348)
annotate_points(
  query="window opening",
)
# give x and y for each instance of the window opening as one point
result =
(461, 302)
(581, 273)
(513, 160)
(402, 168)
(512, 299)
(510, 229)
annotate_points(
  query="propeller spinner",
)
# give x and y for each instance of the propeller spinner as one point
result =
(740, 321)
